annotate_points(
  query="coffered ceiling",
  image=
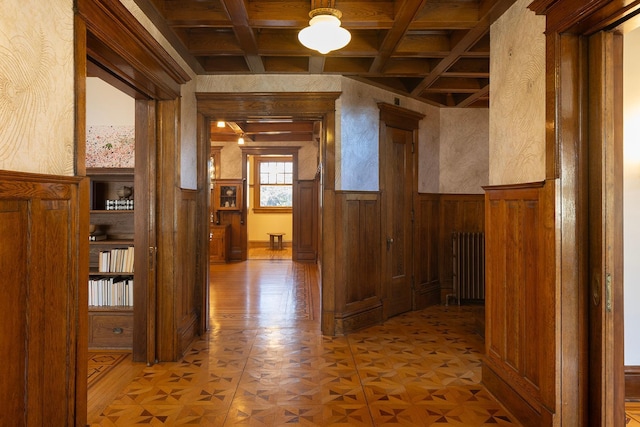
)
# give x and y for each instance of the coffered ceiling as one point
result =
(436, 51)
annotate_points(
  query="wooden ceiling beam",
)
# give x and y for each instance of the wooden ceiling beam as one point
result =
(245, 34)
(206, 42)
(295, 14)
(473, 98)
(283, 137)
(278, 127)
(465, 43)
(195, 13)
(451, 15)
(424, 44)
(406, 14)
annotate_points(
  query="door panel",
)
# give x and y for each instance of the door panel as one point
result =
(144, 337)
(398, 226)
(606, 321)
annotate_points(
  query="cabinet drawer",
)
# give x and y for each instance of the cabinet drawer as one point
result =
(111, 330)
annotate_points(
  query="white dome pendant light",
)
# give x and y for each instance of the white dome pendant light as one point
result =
(324, 32)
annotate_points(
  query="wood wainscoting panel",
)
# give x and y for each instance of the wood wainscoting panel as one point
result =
(438, 216)
(187, 307)
(632, 383)
(358, 283)
(42, 330)
(238, 230)
(458, 213)
(520, 362)
(305, 217)
(426, 251)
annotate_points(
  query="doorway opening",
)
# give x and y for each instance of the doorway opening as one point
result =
(269, 205)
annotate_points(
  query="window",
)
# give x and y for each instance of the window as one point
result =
(273, 187)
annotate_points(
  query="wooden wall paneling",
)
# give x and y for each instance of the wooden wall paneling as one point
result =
(358, 294)
(458, 213)
(42, 327)
(305, 219)
(234, 220)
(203, 221)
(176, 234)
(632, 383)
(187, 306)
(14, 242)
(427, 279)
(570, 91)
(520, 363)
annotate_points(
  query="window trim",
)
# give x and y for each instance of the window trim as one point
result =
(257, 160)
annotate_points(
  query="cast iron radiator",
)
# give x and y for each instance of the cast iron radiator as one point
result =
(468, 267)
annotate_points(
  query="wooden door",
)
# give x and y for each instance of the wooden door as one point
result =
(397, 182)
(305, 221)
(144, 336)
(606, 318)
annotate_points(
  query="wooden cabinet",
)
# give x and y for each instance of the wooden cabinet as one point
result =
(227, 195)
(111, 258)
(110, 328)
(219, 243)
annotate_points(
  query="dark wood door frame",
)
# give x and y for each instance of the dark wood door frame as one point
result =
(113, 45)
(306, 105)
(570, 87)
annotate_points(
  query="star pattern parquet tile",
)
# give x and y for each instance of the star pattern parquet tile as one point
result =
(418, 369)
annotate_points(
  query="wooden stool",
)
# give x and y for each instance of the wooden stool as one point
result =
(272, 240)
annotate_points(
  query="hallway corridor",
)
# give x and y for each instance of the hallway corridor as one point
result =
(265, 363)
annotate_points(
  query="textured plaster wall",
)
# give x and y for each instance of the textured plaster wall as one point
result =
(517, 105)
(357, 162)
(231, 154)
(429, 152)
(631, 198)
(188, 103)
(357, 122)
(36, 86)
(188, 136)
(464, 150)
(231, 158)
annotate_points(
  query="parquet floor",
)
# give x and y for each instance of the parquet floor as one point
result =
(265, 363)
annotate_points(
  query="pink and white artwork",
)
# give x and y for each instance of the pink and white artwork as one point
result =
(110, 146)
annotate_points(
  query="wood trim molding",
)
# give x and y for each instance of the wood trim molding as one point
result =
(632, 383)
(316, 105)
(583, 16)
(399, 117)
(119, 42)
(232, 105)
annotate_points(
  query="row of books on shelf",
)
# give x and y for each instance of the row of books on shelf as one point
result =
(111, 292)
(119, 205)
(117, 260)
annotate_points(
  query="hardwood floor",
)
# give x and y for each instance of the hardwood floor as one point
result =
(265, 363)
(266, 253)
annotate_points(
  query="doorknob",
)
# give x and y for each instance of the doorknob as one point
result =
(389, 242)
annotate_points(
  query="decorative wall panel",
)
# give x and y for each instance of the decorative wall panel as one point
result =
(520, 358)
(358, 284)
(42, 330)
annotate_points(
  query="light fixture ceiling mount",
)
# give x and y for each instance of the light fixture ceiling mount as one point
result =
(324, 32)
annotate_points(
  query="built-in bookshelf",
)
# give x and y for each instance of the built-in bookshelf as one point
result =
(111, 257)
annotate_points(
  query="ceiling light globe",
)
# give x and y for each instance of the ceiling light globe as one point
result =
(324, 34)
